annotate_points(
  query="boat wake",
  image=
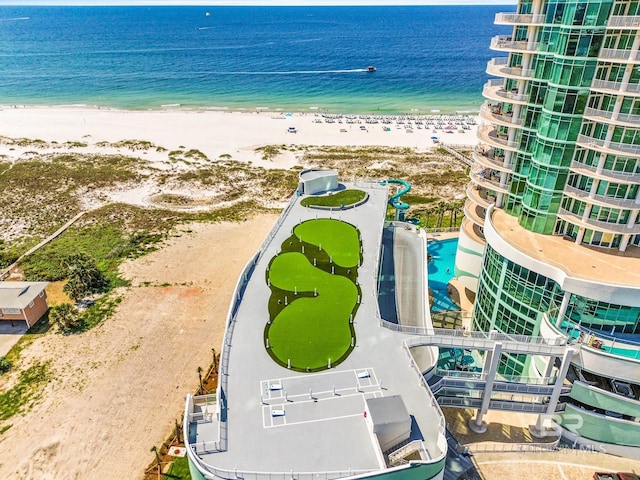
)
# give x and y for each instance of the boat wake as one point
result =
(294, 72)
(17, 19)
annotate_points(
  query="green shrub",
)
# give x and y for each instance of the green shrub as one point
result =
(5, 365)
(67, 317)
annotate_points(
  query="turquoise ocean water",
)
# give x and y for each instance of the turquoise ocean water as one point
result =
(289, 58)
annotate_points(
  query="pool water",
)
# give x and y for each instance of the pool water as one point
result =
(440, 271)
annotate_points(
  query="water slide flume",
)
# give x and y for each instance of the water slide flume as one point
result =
(400, 206)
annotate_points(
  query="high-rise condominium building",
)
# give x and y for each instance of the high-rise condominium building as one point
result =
(551, 239)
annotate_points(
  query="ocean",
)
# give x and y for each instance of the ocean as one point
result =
(427, 58)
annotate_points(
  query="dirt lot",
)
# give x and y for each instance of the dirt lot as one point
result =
(117, 389)
(560, 465)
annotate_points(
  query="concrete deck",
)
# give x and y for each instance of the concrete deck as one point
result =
(320, 431)
(604, 265)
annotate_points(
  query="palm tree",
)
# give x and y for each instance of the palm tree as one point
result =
(440, 209)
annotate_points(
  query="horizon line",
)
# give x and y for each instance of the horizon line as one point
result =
(250, 3)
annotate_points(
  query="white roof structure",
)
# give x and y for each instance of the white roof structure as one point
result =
(19, 294)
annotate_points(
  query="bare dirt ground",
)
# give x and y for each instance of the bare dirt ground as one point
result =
(561, 465)
(117, 389)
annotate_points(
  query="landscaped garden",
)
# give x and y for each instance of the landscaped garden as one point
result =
(314, 296)
(343, 198)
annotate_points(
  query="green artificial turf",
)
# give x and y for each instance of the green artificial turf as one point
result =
(311, 330)
(341, 198)
(339, 239)
(311, 305)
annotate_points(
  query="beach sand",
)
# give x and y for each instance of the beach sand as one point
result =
(213, 133)
(116, 390)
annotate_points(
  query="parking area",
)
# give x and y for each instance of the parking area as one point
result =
(10, 334)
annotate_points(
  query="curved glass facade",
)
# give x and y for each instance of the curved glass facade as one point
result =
(570, 168)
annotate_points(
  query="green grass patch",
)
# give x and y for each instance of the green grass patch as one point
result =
(341, 198)
(103, 308)
(25, 393)
(179, 469)
(314, 296)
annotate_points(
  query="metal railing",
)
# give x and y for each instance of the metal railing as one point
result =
(497, 447)
(571, 217)
(506, 43)
(624, 21)
(488, 113)
(494, 87)
(615, 147)
(598, 224)
(618, 54)
(478, 340)
(599, 340)
(518, 18)
(488, 134)
(459, 156)
(622, 117)
(423, 383)
(628, 203)
(397, 457)
(616, 86)
(489, 160)
(498, 67)
(618, 175)
(488, 183)
(442, 230)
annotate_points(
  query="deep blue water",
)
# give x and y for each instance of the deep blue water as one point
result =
(291, 58)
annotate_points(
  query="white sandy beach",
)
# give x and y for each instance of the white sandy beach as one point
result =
(214, 133)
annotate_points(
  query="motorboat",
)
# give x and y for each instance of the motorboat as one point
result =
(371, 69)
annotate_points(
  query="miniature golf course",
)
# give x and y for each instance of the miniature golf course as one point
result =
(314, 296)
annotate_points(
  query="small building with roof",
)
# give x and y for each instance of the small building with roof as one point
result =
(23, 302)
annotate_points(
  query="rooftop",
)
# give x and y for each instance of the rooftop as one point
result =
(602, 264)
(19, 294)
(279, 420)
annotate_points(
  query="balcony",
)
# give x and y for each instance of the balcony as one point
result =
(624, 22)
(604, 116)
(494, 90)
(615, 88)
(599, 225)
(480, 195)
(488, 180)
(602, 200)
(618, 55)
(474, 213)
(613, 148)
(504, 43)
(608, 175)
(488, 158)
(518, 19)
(498, 67)
(473, 231)
(493, 113)
(489, 134)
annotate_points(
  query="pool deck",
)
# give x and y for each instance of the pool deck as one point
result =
(281, 421)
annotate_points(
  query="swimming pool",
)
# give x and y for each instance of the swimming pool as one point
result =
(440, 271)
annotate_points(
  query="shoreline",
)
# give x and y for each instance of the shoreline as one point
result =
(179, 107)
